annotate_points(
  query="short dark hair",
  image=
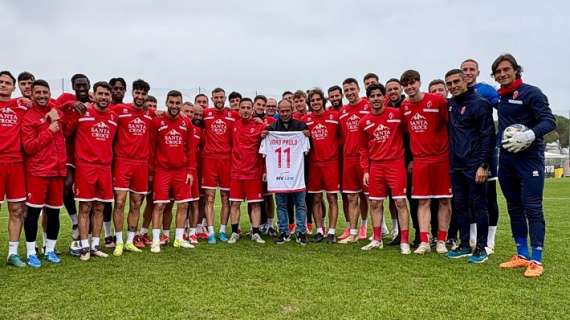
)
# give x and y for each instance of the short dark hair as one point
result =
(102, 84)
(507, 57)
(436, 82)
(287, 92)
(233, 95)
(260, 97)
(7, 73)
(393, 80)
(409, 76)
(375, 86)
(245, 99)
(39, 82)
(318, 92)
(334, 88)
(349, 81)
(78, 76)
(140, 84)
(200, 95)
(115, 80)
(151, 98)
(173, 93)
(23, 76)
(452, 72)
(371, 75)
(216, 90)
(299, 94)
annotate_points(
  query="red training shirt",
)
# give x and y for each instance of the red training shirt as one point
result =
(11, 113)
(172, 143)
(247, 163)
(218, 126)
(349, 118)
(324, 132)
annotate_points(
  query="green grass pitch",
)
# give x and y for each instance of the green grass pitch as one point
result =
(293, 282)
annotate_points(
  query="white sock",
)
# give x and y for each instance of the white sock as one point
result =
(50, 245)
(210, 230)
(166, 232)
(320, 230)
(13, 248)
(155, 235)
(107, 228)
(119, 237)
(179, 233)
(332, 231)
(73, 219)
(473, 232)
(130, 236)
(353, 232)
(94, 243)
(192, 231)
(394, 223)
(364, 223)
(204, 222)
(31, 248)
(144, 230)
(223, 228)
(269, 222)
(85, 243)
(491, 236)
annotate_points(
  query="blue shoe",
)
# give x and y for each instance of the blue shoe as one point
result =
(223, 237)
(459, 252)
(479, 256)
(14, 260)
(52, 257)
(34, 262)
(212, 238)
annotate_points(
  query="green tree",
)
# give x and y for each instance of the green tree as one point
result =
(561, 131)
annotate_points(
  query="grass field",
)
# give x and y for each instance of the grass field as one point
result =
(292, 282)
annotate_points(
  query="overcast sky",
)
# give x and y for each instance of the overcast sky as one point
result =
(270, 46)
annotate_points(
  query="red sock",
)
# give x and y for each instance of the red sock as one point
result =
(404, 236)
(377, 233)
(424, 237)
(441, 235)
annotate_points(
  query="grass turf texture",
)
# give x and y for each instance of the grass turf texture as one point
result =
(253, 281)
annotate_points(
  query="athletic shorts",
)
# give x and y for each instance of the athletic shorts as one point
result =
(70, 152)
(195, 188)
(130, 176)
(323, 178)
(352, 175)
(93, 183)
(12, 182)
(246, 190)
(216, 173)
(387, 178)
(431, 178)
(45, 192)
(171, 184)
(494, 165)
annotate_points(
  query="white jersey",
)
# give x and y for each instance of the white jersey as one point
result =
(284, 160)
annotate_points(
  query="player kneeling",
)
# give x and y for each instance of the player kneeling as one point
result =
(247, 170)
(174, 158)
(383, 164)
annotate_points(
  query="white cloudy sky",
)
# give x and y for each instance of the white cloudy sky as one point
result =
(270, 46)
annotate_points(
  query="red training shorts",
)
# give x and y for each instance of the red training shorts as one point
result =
(431, 179)
(171, 184)
(216, 173)
(12, 182)
(387, 178)
(195, 188)
(93, 183)
(246, 190)
(352, 176)
(45, 192)
(130, 176)
(323, 177)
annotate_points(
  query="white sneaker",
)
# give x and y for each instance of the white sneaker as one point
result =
(423, 248)
(155, 247)
(257, 238)
(350, 239)
(182, 244)
(98, 253)
(405, 248)
(374, 244)
(233, 238)
(489, 250)
(440, 247)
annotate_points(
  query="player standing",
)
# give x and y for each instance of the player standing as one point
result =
(426, 120)
(521, 161)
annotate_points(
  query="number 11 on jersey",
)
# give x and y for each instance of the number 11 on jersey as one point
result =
(280, 152)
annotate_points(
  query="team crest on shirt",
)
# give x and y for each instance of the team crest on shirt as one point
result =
(352, 123)
(390, 115)
(381, 133)
(8, 117)
(418, 123)
(462, 111)
(251, 130)
(125, 110)
(100, 131)
(219, 127)
(515, 94)
(173, 138)
(319, 132)
(137, 127)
